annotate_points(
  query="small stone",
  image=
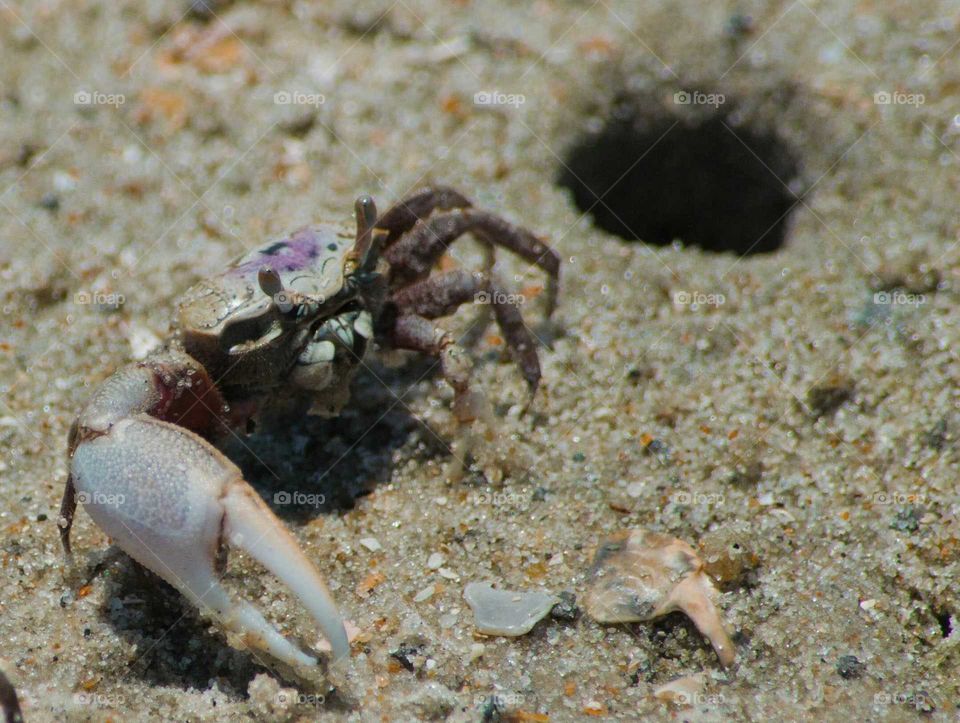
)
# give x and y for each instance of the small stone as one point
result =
(371, 544)
(447, 573)
(406, 655)
(579, 457)
(907, 519)
(50, 202)
(448, 621)
(567, 609)
(505, 612)
(425, 594)
(849, 667)
(435, 561)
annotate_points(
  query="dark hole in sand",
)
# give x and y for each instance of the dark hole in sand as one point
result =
(710, 183)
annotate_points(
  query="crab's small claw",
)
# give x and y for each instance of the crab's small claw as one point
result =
(170, 500)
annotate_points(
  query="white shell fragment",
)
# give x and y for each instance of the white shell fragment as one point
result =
(506, 612)
(639, 575)
(683, 691)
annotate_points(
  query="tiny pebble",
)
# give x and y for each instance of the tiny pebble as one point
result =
(435, 561)
(506, 612)
(849, 667)
(449, 574)
(371, 544)
(567, 608)
(448, 621)
(425, 594)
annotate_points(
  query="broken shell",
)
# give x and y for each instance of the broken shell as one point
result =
(682, 691)
(639, 575)
(505, 612)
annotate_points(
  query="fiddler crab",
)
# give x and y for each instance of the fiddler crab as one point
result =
(289, 322)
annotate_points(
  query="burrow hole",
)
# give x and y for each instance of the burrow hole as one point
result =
(710, 182)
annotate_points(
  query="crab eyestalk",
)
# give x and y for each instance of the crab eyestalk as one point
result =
(285, 299)
(269, 280)
(366, 249)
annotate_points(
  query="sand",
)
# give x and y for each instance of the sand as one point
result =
(799, 404)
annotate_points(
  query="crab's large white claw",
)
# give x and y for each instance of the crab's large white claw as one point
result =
(170, 500)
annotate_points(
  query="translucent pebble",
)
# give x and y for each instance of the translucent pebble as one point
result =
(506, 612)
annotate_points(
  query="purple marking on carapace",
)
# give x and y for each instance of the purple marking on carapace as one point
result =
(293, 253)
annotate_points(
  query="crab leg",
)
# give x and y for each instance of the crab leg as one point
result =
(440, 295)
(414, 255)
(403, 216)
